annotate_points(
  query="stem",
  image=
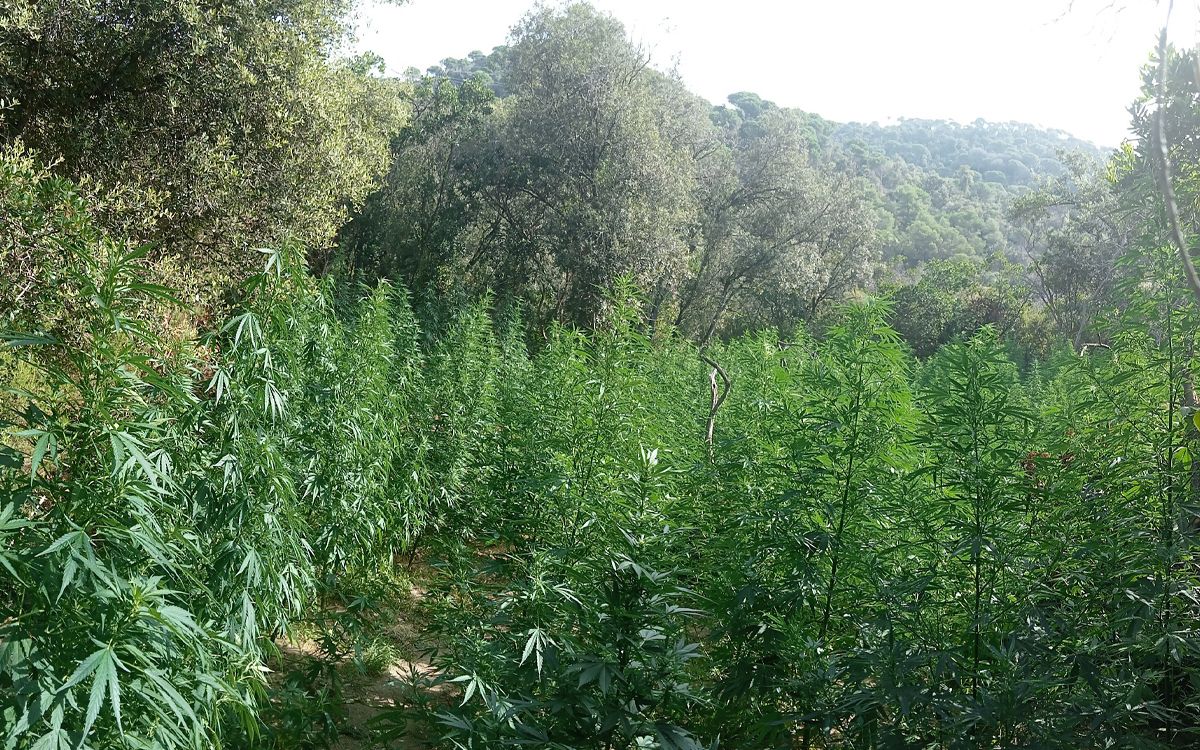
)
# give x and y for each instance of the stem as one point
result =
(1163, 173)
(716, 400)
(852, 448)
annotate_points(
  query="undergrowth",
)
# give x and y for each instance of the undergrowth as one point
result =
(872, 551)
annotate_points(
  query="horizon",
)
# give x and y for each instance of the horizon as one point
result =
(1072, 66)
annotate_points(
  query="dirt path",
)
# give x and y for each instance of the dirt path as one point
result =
(399, 685)
(403, 682)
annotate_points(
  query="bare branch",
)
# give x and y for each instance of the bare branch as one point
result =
(727, 384)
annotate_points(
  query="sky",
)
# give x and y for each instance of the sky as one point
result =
(1071, 65)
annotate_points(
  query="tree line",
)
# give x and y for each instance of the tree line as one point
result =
(763, 215)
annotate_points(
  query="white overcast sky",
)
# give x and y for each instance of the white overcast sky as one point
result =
(1053, 63)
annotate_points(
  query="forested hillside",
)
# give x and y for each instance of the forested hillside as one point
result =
(535, 402)
(942, 189)
(732, 217)
(949, 189)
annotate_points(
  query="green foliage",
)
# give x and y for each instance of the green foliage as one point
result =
(1078, 231)
(166, 515)
(1015, 150)
(779, 239)
(560, 162)
(478, 198)
(199, 129)
(491, 69)
(411, 227)
(40, 214)
(108, 622)
(889, 525)
(950, 188)
(954, 298)
(571, 651)
(871, 551)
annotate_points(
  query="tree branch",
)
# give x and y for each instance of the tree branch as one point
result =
(727, 384)
(1163, 171)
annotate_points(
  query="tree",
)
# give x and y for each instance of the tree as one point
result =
(415, 227)
(603, 192)
(1164, 118)
(777, 238)
(492, 67)
(582, 175)
(208, 129)
(1077, 232)
(951, 300)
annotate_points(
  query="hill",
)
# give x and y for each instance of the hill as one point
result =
(943, 189)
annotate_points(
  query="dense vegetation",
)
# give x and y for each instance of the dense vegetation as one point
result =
(656, 452)
(732, 217)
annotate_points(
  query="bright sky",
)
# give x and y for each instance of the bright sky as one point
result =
(1053, 63)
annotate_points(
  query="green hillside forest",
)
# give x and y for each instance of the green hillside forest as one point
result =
(533, 401)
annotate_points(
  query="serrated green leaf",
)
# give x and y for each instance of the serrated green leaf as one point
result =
(52, 740)
(46, 443)
(105, 672)
(62, 541)
(26, 339)
(85, 669)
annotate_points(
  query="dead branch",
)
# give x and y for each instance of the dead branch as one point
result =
(717, 400)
